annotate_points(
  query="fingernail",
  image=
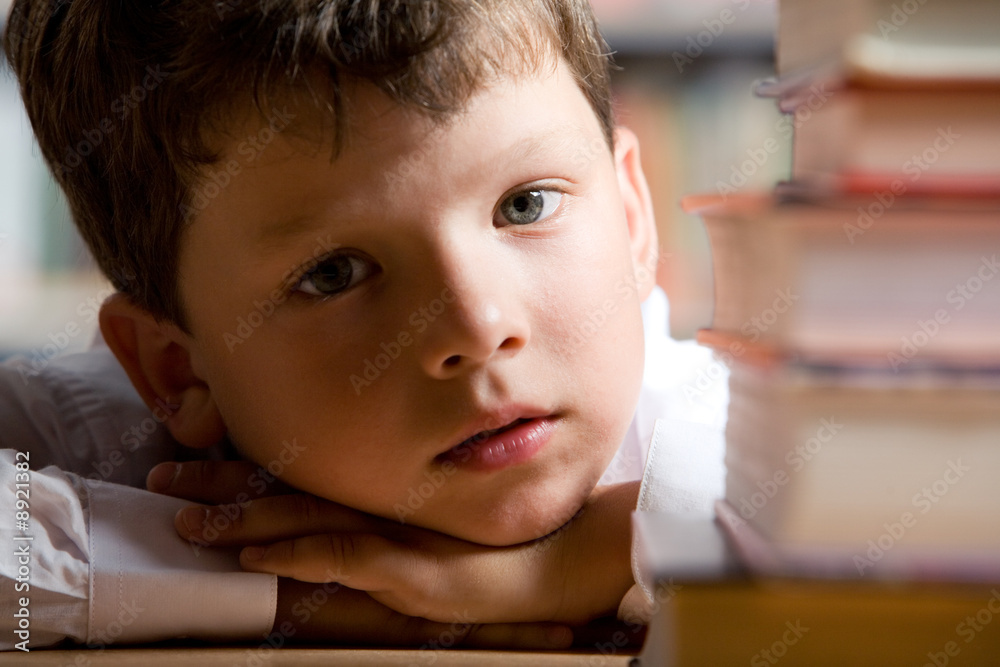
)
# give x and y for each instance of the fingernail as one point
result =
(194, 518)
(254, 553)
(161, 477)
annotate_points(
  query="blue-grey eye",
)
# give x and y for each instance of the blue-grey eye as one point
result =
(334, 274)
(524, 208)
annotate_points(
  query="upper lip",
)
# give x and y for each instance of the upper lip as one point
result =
(496, 419)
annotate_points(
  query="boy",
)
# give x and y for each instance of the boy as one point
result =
(443, 358)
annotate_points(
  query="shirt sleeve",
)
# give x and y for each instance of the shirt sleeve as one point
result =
(684, 473)
(95, 560)
(678, 432)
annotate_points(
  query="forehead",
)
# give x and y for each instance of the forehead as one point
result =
(368, 117)
(386, 153)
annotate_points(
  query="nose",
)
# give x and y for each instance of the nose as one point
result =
(483, 319)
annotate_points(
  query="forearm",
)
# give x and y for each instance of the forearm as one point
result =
(103, 565)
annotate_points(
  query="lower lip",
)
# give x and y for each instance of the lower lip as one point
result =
(502, 450)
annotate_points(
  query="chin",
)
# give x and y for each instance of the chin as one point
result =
(516, 523)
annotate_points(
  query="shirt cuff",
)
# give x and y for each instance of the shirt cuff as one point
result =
(684, 472)
(149, 585)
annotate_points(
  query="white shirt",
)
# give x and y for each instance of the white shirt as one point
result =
(105, 565)
(675, 443)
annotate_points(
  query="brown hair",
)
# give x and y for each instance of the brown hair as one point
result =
(122, 95)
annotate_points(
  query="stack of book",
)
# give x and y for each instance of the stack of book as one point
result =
(858, 307)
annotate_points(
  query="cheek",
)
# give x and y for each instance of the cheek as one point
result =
(600, 345)
(599, 302)
(295, 386)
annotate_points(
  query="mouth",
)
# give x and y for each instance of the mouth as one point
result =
(489, 433)
(489, 450)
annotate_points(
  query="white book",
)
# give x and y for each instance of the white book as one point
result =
(894, 40)
(902, 280)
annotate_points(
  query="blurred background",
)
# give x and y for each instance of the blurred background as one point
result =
(685, 87)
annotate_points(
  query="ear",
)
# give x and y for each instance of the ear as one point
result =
(156, 358)
(638, 210)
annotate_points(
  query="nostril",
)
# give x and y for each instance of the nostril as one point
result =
(452, 361)
(508, 343)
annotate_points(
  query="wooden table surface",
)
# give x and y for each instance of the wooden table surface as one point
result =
(308, 657)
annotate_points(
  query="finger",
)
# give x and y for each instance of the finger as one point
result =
(272, 519)
(214, 482)
(347, 616)
(409, 579)
(361, 561)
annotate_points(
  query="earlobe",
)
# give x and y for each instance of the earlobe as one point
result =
(157, 359)
(638, 209)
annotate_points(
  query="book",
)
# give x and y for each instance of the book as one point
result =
(825, 462)
(902, 141)
(899, 42)
(721, 613)
(896, 279)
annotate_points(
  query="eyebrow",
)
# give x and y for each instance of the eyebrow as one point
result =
(571, 143)
(566, 144)
(280, 231)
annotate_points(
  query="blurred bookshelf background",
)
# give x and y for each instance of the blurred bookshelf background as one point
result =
(685, 87)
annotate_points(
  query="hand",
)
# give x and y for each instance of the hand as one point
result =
(332, 612)
(578, 573)
(337, 614)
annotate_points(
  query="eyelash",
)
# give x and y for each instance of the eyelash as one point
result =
(310, 272)
(502, 220)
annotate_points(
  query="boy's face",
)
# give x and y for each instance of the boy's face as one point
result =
(445, 281)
